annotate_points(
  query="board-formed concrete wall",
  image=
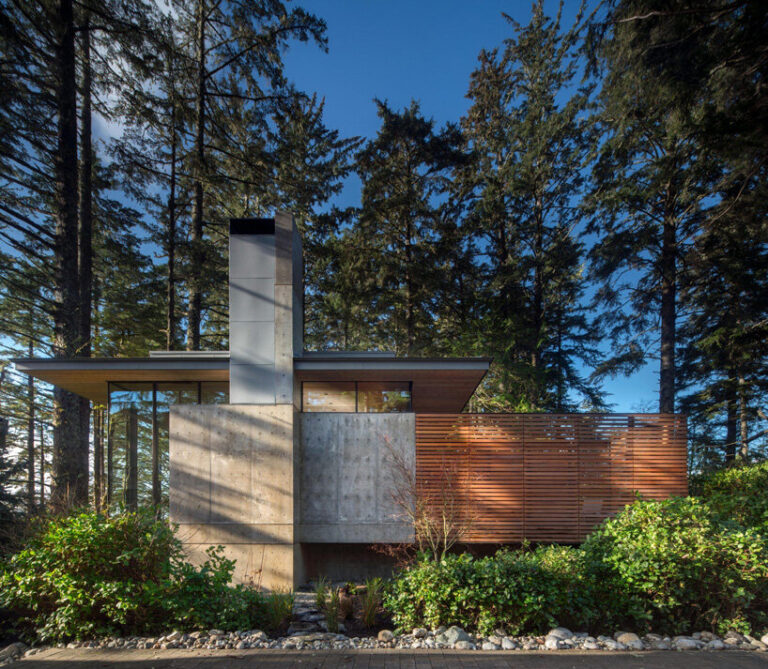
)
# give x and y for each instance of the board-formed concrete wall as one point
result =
(346, 477)
(232, 483)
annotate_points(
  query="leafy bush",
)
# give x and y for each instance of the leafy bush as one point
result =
(680, 568)
(522, 591)
(86, 575)
(739, 494)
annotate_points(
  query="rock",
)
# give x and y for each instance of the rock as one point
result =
(508, 644)
(215, 632)
(630, 640)
(764, 638)
(590, 644)
(686, 643)
(453, 635)
(464, 645)
(560, 633)
(173, 636)
(495, 639)
(612, 644)
(661, 644)
(488, 645)
(13, 651)
(385, 636)
(715, 644)
(552, 642)
(419, 632)
(301, 628)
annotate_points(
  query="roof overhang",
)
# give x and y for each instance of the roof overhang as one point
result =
(89, 377)
(440, 385)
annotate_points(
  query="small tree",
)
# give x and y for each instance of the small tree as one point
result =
(435, 505)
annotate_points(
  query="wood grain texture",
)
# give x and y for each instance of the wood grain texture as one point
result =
(550, 477)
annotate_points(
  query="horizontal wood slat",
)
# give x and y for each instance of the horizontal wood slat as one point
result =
(550, 477)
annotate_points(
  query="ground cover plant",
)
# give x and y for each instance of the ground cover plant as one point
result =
(86, 575)
(673, 566)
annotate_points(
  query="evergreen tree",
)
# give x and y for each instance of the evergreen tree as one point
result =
(530, 148)
(650, 183)
(405, 172)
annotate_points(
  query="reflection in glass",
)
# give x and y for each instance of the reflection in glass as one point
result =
(139, 434)
(332, 396)
(375, 397)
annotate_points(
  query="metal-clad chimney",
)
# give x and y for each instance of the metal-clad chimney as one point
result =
(265, 308)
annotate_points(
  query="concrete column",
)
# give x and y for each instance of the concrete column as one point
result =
(234, 479)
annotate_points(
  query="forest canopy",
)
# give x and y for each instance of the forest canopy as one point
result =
(601, 206)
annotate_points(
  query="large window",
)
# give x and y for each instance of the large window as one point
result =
(138, 436)
(356, 396)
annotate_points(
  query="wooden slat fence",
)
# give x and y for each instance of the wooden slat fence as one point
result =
(549, 477)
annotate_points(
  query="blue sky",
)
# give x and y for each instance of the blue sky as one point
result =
(423, 50)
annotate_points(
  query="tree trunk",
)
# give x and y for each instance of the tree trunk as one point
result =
(98, 459)
(668, 319)
(70, 462)
(85, 238)
(170, 340)
(538, 304)
(743, 419)
(196, 234)
(730, 429)
(30, 437)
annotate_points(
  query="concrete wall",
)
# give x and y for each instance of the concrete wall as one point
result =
(346, 477)
(232, 483)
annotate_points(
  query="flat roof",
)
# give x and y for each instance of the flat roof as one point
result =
(439, 384)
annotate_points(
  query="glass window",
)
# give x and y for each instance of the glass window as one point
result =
(375, 397)
(214, 392)
(334, 396)
(139, 434)
(130, 435)
(356, 396)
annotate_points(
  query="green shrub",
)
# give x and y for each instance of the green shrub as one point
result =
(680, 568)
(87, 575)
(739, 494)
(522, 591)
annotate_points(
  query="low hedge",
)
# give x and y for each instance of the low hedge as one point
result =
(88, 575)
(521, 591)
(738, 494)
(670, 566)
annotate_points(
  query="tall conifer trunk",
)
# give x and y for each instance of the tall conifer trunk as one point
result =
(170, 340)
(30, 436)
(668, 318)
(196, 233)
(70, 463)
(85, 230)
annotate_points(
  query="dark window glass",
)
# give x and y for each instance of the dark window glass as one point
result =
(139, 435)
(375, 397)
(130, 433)
(331, 396)
(215, 392)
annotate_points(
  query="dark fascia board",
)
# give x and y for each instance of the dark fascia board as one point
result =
(434, 364)
(196, 362)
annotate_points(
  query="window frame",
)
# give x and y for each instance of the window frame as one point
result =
(357, 395)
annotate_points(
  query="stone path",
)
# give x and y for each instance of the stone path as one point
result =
(385, 659)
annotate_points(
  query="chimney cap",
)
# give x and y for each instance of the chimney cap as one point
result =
(251, 226)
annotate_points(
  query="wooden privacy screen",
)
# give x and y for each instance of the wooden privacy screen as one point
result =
(548, 477)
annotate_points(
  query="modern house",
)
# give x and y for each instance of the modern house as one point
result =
(284, 456)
